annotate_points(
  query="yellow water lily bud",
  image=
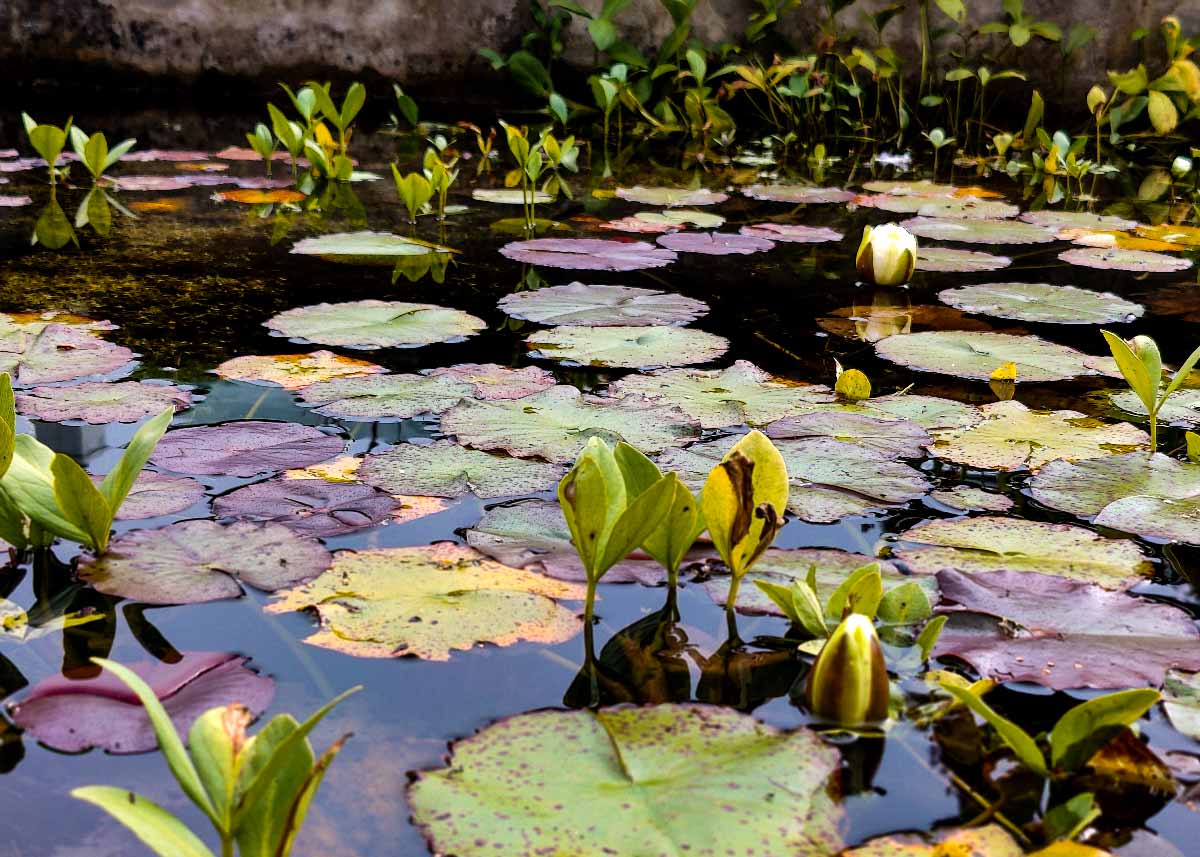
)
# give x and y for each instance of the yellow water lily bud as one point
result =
(887, 255)
(848, 684)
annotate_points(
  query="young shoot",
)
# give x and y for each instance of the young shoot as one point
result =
(262, 141)
(414, 190)
(48, 141)
(94, 153)
(1141, 365)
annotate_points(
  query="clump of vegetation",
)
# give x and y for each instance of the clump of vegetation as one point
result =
(1140, 363)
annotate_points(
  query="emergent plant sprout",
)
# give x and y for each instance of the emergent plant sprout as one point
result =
(1141, 365)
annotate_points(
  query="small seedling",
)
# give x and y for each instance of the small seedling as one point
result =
(94, 153)
(1141, 364)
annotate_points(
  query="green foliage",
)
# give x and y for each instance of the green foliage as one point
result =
(670, 541)
(94, 153)
(48, 141)
(1141, 365)
(1020, 27)
(414, 190)
(406, 105)
(341, 118)
(262, 141)
(255, 790)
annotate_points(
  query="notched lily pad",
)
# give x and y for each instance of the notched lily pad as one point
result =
(102, 402)
(715, 243)
(156, 494)
(1117, 259)
(672, 197)
(978, 231)
(375, 324)
(386, 397)
(977, 354)
(429, 602)
(445, 469)
(595, 254)
(627, 347)
(244, 448)
(792, 233)
(1086, 488)
(952, 260)
(59, 352)
(602, 306)
(295, 371)
(492, 381)
(798, 194)
(1042, 302)
(364, 248)
(895, 438)
(312, 507)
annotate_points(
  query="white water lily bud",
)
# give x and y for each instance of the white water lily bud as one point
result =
(887, 255)
(848, 685)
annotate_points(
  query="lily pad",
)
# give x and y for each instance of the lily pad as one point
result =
(72, 715)
(1169, 519)
(555, 424)
(14, 200)
(958, 208)
(1076, 220)
(244, 448)
(1042, 302)
(1085, 488)
(1174, 233)
(895, 438)
(1181, 409)
(364, 248)
(929, 412)
(195, 561)
(429, 602)
(509, 196)
(720, 398)
(595, 254)
(658, 222)
(492, 381)
(101, 402)
(952, 260)
(1117, 259)
(672, 197)
(883, 319)
(602, 306)
(156, 494)
(666, 779)
(715, 243)
(295, 371)
(252, 196)
(59, 353)
(35, 322)
(991, 840)
(798, 194)
(375, 324)
(445, 469)
(967, 498)
(1111, 238)
(792, 233)
(977, 354)
(978, 231)
(1000, 543)
(1070, 634)
(1181, 701)
(627, 347)
(1013, 437)
(312, 507)
(386, 397)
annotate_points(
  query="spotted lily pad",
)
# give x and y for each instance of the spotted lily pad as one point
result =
(312, 507)
(194, 561)
(991, 840)
(929, 412)
(295, 371)
(1000, 543)
(386, 397)
(1076, 220)
(977, 354)
(978, 231)
(555, 424)
(100, 402)
(715, 243)
(720, 398)
(492, 381)
(59, 352)
(1084, 488)
(666, 779)
(244, 448)
(791, 233)
(1117, 259)
(509, 196)
(798, 194)
(967, 498)
(1013, 437)
(1042, 302)
(71, 715)
(595, 254)
(363, 248)
(602, 306)
(627, 347)
(375, 324)
(429, 602)
(156, 494)
(894, 438)
(1069, 633)
(445, 469)
(952, 260)
(673, 197)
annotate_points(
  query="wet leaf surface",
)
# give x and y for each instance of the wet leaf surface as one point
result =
(100, 402)
(627, 347)
(601, 306)
(295, 371)
(798, 194)
(311, 507)
(673, 197)
(978, 231)
(58, 353)
(594, 254)
(895, 438)
(1116, 259)
(715, 243)
(244, 448)
(445, 469)
(156, 494)
(1042, 302)
(492, 381)
(386, 397)
(971, 354)
(375, 324)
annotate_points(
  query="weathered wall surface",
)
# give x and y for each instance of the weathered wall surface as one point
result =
(427, 42)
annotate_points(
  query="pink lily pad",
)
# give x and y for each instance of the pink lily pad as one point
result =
(59, 352)
(15, 201)
(312, 507)
(156, 494)
(143, 155)
(792, 233)
(495, 382)
(597, 254)
(102, 402)
(245, 448)
(715, 243)
(1116, 259)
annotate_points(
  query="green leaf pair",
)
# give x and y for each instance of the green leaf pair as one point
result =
(47, 140)
(340, 117)
(254, 790)
(262, 141)
(94, 153)
(414, 190)
(1141, 364)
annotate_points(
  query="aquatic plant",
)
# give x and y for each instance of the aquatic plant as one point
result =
(414, 190)
(291, 134)
(341, 118)
(255, 790)
(887, 255)
(48, 141)
(441, 173)
(848, 684)
(93, 150)
(262, 141)
(406, 105)
(1141, 365)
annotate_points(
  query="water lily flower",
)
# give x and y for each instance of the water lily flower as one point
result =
(887, 255)
(848, 684)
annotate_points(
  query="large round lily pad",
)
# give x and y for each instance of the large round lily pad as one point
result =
(1118, 259)
(977, 354)
(492, 381)
(386, 397)
(244, 448)
(661, 780)
(59, 352)
(445, 469)
(294, 371)
(1000, 543)
(1076, 220)
(627, 347)
(674, 197)
(430, 601)
(556, 424)
(195, 561)
(594, 254)
(1013, 437)
(602, 306)
(715, 243)
(102, 402)
(375, 324)
(798, 194)
(363, 248)
(953, 260)
(895, 438)
(156, 494)
(1042, 302)
(792, 233)
(978, 231)
(312, 507)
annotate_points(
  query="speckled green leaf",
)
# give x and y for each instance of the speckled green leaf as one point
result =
(978, 231)
(626, 347)
(891, 437)
(977, 354)
(375, 324)
(967, 498)
(445, 469)
(1085, 488)
(1042, 302)
(386, 397)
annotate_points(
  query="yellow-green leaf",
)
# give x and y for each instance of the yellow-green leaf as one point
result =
(743, 501)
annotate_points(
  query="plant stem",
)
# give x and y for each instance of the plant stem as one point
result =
(589, 605)
(731, 601)
(1153, 433)
(226, 845)
(924, 10)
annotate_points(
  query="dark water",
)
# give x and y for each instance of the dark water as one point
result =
(190, 288)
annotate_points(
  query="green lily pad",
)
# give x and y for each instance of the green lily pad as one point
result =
(967, 498)
(445, 469)
(627, 347)
(978, 231)
(977, 354)
(720, 398)
(828, 479)
(1057, 220)
(952, 260)
(364, 248)
(1042, 302)
(509, 196)
(1181, 701)
(102, 402)
(602, 306)
(1013, 437)
(1085, 488)
(555, 424)
(1118, 259)
(386, 397)
(294, 371)
(1002, 543)
(672, 197)
(929, 412)
(375, 324)
(430, 601)
(679, 217)
(960, 208)
(1166, 518)
(60, 352)
(891, 437)
(798, 194)
(1181, 409)
(665, 779)
(492, 381)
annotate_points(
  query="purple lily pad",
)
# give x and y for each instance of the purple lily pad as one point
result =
(245, 448)
(156, 494)
(195, 561)
(596, 254)
(715, 243)
(102, 402)
(57, 353)
(494, 382)
(312, 507)
(798, 193)
(15, 201)
(159, 184)
(793, 233)
(602, 306)
(1076, 220)
(72, 716)
(1116, 259)
(144, 155)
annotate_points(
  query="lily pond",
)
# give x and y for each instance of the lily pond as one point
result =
(358, 488)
